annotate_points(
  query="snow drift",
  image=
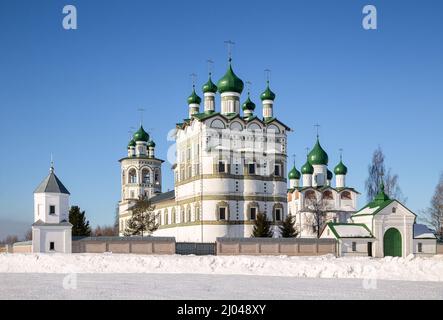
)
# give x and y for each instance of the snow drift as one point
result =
(409, 268)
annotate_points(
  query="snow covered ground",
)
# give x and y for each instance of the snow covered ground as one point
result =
(201, 286)
(118, 276)
(407, 269)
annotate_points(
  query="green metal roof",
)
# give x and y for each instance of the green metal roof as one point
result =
(318, 155)
(267, 94)
(340, 169)
(141, 135)
(307, 168)
(209, 86)
(230, 82)
(194, 98)
(248, 104)
(294, 174)
(332, 226)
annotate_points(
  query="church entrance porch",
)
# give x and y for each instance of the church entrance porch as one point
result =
(392, 243)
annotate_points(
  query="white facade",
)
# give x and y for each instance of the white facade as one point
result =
(51, 231)
(229, 168)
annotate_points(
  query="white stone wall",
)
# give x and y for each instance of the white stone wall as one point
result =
(42, 203)
(42, 236)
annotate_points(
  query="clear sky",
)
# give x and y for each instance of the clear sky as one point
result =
(76, 93)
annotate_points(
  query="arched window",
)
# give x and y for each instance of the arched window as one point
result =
(345, 195)
(327, 195)
(310, 195)
(182, 215)
(197, 212)
(173, 219)
(132, 176)
(157, 176)
(146, 176)
(188, 213)
(166, 219)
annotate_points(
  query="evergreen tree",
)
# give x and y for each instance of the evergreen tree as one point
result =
(80, 226)
(287, 228)
(262, 227)
(143, 219)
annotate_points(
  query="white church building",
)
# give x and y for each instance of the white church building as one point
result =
(313, 190)
(230, 166)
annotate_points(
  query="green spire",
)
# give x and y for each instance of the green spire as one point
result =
(318, 155)
(141, 135)
(307, 168)
(209, 86)
(230, 82)
(294, 174)
(267, 94)
(248, 104)
(194, 98)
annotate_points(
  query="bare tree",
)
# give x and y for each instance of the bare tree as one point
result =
(316, 213)
(143, 218)
(28, 235)
(433, 215)
(105, 231)
(377, 171)
(10, 239)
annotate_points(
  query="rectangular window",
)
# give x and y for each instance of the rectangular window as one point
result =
(51, 209)
(277, 172)
(51, 246)
(251, 168)
(277, 214)
(354, 246)
(221, 167)
(420, 247)
(222, 213)
(253, 213)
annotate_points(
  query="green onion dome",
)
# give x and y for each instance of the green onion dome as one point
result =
(248, 104)
(141, 135)
(307, 168)
(340, 169)
(230, 82)
(151, 144)
(209, 86)
(318, 155)
(294, 174)
(131, 143)
(194, 98)
(267, 94)
(329, 175)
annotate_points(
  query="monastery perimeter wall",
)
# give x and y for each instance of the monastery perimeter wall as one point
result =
(276, 246)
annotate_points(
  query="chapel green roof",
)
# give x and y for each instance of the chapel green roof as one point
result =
(307, 168)
(340, 169)
(267, 94)
(141, 135)
(131, 143)
(194, 98)
(151, 144)
(318, 155)
(248, 104)
(230, 82)
(294, 174)
(209, 86)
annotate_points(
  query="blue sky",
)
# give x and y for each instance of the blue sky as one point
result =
(76, 93)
